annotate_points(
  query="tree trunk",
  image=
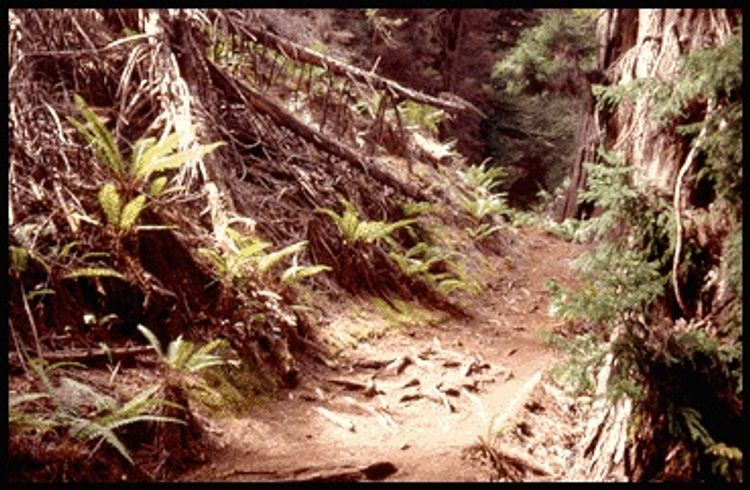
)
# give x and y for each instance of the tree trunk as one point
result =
(638, 44)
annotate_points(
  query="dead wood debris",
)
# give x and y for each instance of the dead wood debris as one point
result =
(337, 419)
(82, 355)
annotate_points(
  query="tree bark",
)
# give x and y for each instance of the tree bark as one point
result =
(638, 44)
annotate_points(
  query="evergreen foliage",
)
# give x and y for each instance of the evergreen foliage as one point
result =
(540, 84)
(550, 56)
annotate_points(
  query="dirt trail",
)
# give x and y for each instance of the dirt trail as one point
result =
(407, 405)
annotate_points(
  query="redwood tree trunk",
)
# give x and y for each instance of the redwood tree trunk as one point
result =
(637, 44)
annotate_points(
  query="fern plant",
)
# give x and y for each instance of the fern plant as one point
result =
(191, 367)
(354, 229)
(421, 261)
(483, 202)
(184, 356)
(422, 115)
(86, 413)
(149, 157)
(483, 177)
(250, 255)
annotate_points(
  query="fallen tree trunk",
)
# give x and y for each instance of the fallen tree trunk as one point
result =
(300, 53)
(286, 119)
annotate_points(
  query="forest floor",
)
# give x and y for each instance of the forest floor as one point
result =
(414, 403)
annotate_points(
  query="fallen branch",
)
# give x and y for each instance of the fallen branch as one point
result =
(83, 355)
(372, 363)
(349, 384)
(341, 472)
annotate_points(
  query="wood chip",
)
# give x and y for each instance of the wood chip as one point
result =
(372, 363)
(410, 397)
(336, 419)
(396, 366)
(451, 391)
(472, 386)
(411, 382)
(475, 366)
(348, 383)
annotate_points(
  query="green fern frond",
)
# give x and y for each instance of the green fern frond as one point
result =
(138, 405)
(296, 273)
(208, 347)
(157, 186)
(218, 262)
(481, 176)
(68, 247)
(94, 430)
(202, 358)
(268, 261)
(118, 423)
(178, 351)
(94, 272)
(176, 160)
(152, 340)
(254, 248)
(100, 401)
(95, 255)
(19, 258)
(111, 203)
(16, 400)
(483, 230)
(199, 363)
(132, 211)
(149, 150)
(99, 136)
(414, 209)
(348, 221)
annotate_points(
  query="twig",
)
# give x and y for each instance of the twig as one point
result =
(34, 330)
(16, 342)
(678, 212)
(82, 355)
